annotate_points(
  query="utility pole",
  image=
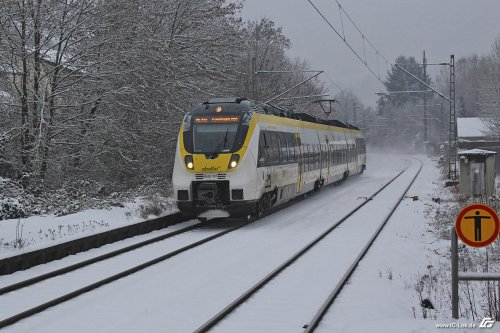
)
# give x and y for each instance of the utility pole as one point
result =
(452, 145)
(452, 168)
(425, 104)
(442, 123)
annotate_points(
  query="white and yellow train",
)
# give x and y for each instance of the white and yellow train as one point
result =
(236, 156)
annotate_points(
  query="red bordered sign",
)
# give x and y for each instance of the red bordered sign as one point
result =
(477, 225)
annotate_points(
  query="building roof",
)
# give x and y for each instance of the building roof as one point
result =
(472, 127)
(476, 152)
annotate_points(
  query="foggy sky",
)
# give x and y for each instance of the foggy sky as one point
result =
(395, 27)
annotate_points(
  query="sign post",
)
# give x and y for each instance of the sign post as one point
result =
(477, 226)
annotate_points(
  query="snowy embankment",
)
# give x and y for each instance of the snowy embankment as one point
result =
(409, 263)
(18, 236)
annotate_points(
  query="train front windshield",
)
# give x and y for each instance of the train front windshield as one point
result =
(214, 137)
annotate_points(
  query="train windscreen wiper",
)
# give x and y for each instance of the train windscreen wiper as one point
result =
(222, 144)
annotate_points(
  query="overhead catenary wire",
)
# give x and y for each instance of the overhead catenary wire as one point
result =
(378, 53)
(363, 58)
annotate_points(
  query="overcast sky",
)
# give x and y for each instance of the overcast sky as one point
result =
(395, 27)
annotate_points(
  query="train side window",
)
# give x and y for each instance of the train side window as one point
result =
(271, 148)
(262, 159)
(283, 148)
(327, 155)
(274, 143)
(304, 157)
(315, 156)
(332, 155)
(305, 152)
(291, 147)
(318, 156)
(311, 157)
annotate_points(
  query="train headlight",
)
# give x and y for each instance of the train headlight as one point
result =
(233, 162)
(189, 162)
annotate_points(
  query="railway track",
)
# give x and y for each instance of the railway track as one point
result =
(30, 311)
(313, 324)
(81, 264)
(30, 259)
(229, 309)
(86, 263)
(68, 296)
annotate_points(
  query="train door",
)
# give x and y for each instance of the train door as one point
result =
(300, 159)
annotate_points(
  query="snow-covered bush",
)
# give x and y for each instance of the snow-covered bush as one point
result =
(14, 201)
(156, 201)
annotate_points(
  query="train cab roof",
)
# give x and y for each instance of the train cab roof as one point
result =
(234, 105)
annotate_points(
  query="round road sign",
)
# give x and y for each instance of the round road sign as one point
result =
(477, 225)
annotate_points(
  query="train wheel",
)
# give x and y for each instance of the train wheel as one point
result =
(259, 210)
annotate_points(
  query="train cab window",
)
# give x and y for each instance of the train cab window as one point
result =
(263, 149)
(283, 148)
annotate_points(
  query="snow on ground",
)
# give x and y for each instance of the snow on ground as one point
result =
(37, 232)
(399, 271)
(384, 293)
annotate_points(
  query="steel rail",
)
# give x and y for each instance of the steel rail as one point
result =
(30, 259)
(217, 318)
(313, 324)
(25, 314)
(37, 309)
(70, 268)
